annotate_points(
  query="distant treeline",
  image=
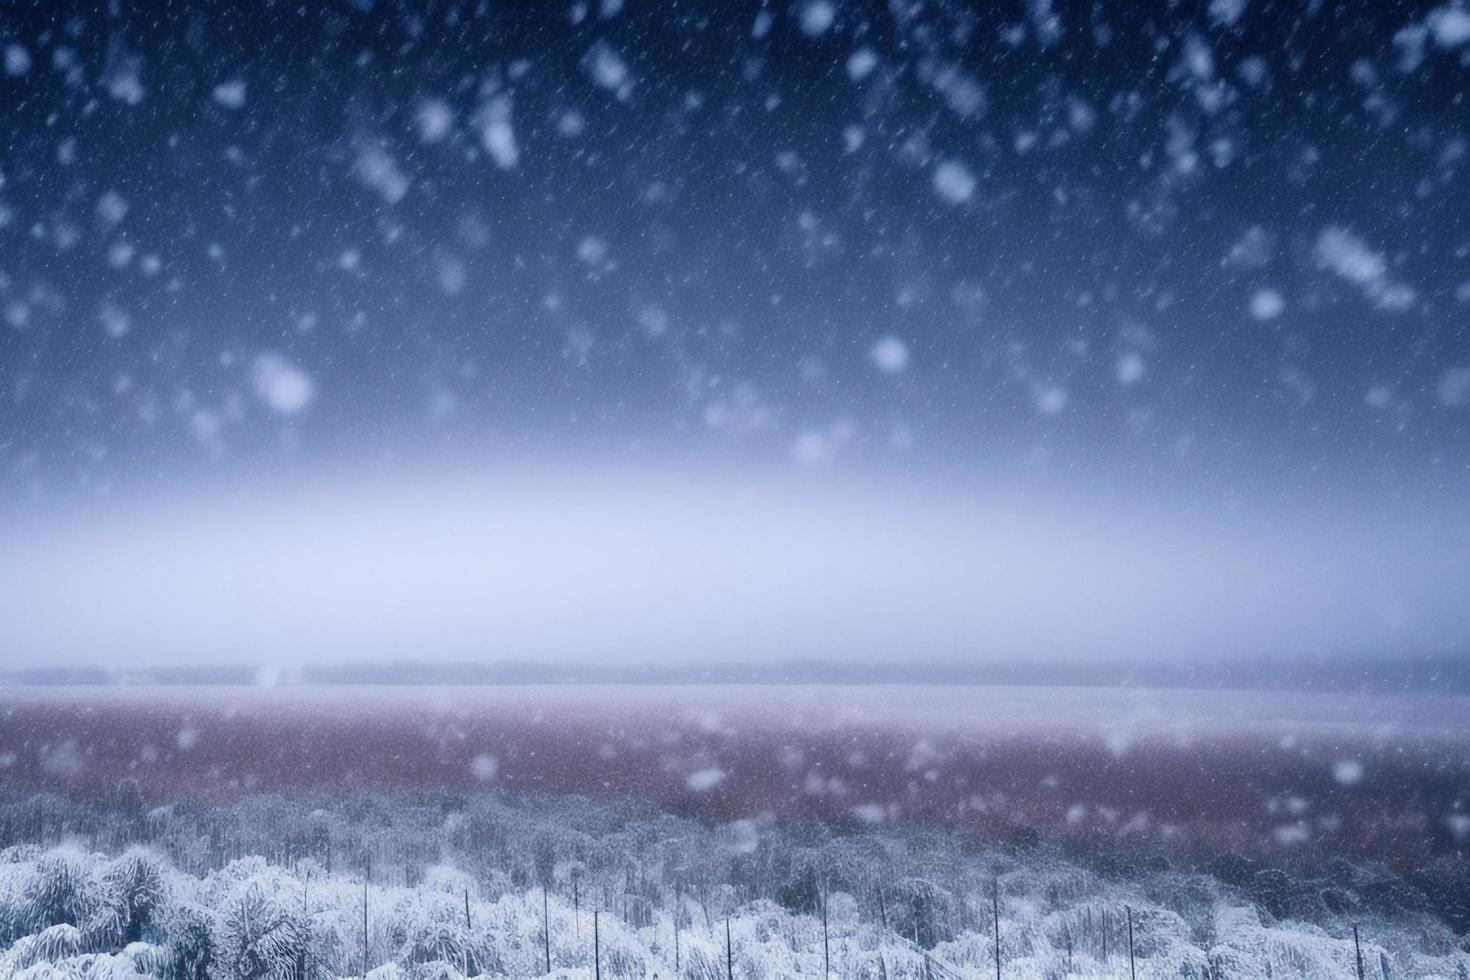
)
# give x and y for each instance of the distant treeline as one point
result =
(1447, 673)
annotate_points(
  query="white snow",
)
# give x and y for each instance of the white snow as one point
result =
(231, 93)
(496, 133)
(1454, 387)
(1045, 22)
(704, 780)
(860, 64)
(1198, 60)
(890, 354)
(112, 207)
(376, 169)
(17, 60)
(1130, 368)
(819, 447)
(653, 321)
(1253, 250)
(1353, 260)
(1186, 923)
(593, 250)
(1350, 257)
(744, 412)
(954, 182)
(283, 386)
(817, 17)
(115, 322)
(1450, 25)
(608, 69)
(1267, 304)
(1347, 772)
(1225, 13)
(452, 275)
(962, 92)
(124, 83)
(484, 767)
(1050, 399)
(434, 119)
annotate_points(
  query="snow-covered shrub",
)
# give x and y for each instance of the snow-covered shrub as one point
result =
(190, 936)
(920, 910)
(63, 889)
(257, 939)
(50, 945)
(70, 914)
(137, 881)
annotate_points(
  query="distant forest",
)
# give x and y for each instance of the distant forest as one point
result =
(1444, 673)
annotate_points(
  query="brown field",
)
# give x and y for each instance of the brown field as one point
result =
(1314, 775)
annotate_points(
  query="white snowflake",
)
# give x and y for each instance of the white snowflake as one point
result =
(704, 780)
(860, 64)
(1267, 304)
(890, 354)
(283, 386)
(497, 135)
(1454, 387)
(608, 69)
(231, 93)
(434, 119)
(954, 182)
(817, 17)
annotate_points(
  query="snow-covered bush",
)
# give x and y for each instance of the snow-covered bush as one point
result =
(439, 906)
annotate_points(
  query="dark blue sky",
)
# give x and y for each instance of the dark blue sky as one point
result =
(1208, 262)
(1225, 242)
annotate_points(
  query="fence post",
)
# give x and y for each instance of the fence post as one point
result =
(729, 957)
(826, 950)
(546, 927)
(995, 919)
(367, 876)
(1358, 949)
(596, 948)
(1131, 971)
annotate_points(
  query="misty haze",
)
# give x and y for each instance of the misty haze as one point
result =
(762, 489)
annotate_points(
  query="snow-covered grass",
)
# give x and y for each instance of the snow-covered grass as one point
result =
(448, 885)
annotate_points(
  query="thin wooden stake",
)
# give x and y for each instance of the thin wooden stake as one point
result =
(596, 948)
(366, 877)
(546, 927)
(467, 925)
(729, 957)
(1133, 973)
(306, 918)
(995, 920)
(1358, 948)
(826, 950)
